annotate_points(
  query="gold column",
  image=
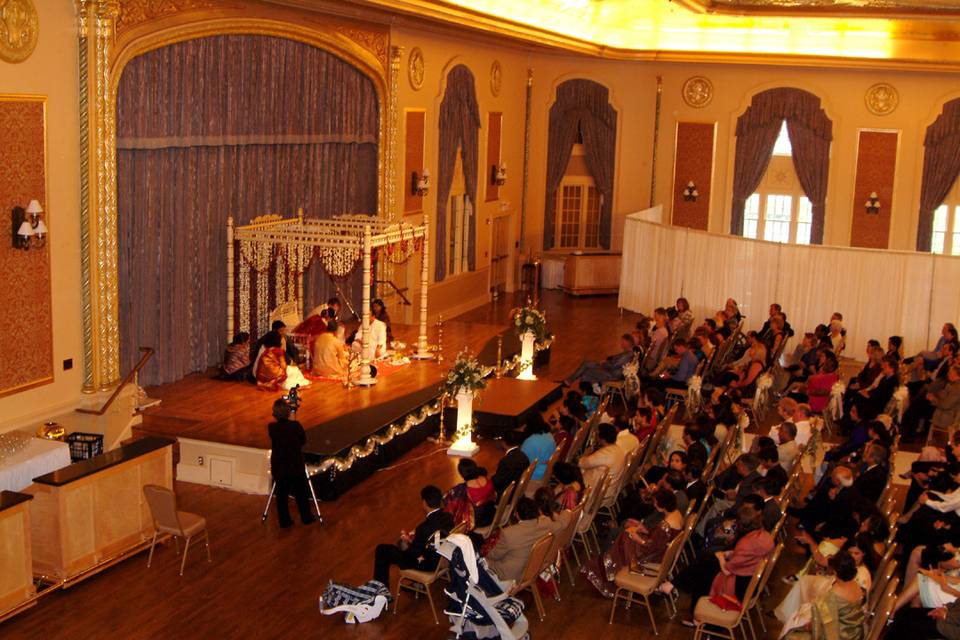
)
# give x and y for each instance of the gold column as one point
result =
(98, 195)
(393, 135)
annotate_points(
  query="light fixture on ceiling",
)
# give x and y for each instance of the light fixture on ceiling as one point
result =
(31, 231)
(690, 193)
(872, 205)
(420, 183)
(498, 174)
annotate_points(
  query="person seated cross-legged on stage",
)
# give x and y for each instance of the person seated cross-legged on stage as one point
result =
(287, 465)
(413, 550)
(271, 366)
(236, 358)
(607, 371)
(330, 358)
(278, 329)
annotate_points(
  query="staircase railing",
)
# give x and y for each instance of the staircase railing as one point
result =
(147, 353)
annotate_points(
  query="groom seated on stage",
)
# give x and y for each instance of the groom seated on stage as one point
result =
(607, 371)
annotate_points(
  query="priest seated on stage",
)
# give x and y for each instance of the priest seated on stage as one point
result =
(330, 359)
(379, 340)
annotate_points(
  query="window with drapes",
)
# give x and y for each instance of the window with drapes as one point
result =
(779, 121)
(581, 114)
(941, 166)
(237, 125)
(459, 147)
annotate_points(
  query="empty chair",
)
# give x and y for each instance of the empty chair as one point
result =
(179, 524)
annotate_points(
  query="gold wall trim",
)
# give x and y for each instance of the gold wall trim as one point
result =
(107, 54)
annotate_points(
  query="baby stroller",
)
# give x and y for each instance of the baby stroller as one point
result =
(477, 603)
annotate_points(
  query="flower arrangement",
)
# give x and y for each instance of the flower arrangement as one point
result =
(466, 374)
(530, 319)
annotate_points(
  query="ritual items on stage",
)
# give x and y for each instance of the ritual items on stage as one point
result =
(51, 431)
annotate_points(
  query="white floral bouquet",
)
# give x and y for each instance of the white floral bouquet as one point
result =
(529, 319)
(466, 374)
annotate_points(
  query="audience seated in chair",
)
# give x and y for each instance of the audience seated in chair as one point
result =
(538, 444)
(609, 370)
(473, 501)
(413, 550)
(509, 554)
(608, 457)
(513, 463)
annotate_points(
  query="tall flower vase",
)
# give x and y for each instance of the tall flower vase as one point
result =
(463, 444)
(526, 357)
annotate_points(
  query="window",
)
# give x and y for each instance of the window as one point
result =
(779, 211)
(578, 205)
(459, 214)
(946, 230)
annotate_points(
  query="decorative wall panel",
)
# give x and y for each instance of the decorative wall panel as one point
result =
(876, 169)
(693, 163)
(413, 160)
(26, 320)
(494, 126)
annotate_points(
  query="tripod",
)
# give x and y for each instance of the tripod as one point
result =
(313, 494)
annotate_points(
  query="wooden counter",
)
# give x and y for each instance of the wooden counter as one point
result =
(16, 577)
(592, 274)
(91, 513)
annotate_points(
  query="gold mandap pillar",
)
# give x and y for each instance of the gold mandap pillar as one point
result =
(98, 194)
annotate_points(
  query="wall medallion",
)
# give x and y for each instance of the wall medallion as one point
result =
(882, 99)
(697, 92)
(415, 68)
(19, 26)
(496, 78)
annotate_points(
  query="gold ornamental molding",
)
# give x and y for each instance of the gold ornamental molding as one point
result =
(19, 28)
(882, 99)
(698, 92)
(416, 69)
(113, 32)
(496, 78)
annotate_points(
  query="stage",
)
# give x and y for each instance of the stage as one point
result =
(221, 426)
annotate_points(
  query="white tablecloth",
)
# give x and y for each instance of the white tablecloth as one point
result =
(37, 458)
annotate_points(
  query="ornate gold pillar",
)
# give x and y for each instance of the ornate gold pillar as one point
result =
(98, 197)
(393, 135)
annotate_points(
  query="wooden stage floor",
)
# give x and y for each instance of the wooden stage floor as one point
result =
(202, 408)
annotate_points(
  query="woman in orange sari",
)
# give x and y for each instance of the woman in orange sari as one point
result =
(272, 365)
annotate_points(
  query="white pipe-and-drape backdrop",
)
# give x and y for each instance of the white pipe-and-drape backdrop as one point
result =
(880, 293)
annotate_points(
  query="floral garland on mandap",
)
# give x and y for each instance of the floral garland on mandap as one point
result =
(531, 319)
(466, 375)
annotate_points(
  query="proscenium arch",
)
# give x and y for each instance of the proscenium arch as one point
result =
(100, 268)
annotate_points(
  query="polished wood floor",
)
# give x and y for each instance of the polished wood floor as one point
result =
(264, 582)
(203, 408)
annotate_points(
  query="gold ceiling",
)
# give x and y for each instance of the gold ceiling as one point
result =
(911, 33)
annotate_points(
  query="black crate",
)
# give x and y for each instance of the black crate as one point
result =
(84, 446)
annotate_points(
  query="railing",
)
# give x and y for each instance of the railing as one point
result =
(147, 354)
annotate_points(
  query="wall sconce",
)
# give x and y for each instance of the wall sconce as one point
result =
(690, 193)
(498, 174)
(31, 232)
(872, 204)
(420, 183)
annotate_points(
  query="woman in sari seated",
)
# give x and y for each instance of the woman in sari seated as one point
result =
(569, 489)
(271, 370)
(837, 614)
(636, 545)
(236, 359)
(473, 500)
(794, 610)
(379, 312)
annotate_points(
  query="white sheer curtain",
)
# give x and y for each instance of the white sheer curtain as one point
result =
(879, 293)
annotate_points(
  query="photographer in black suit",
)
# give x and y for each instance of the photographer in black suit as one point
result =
(413, 550)
(287, 464)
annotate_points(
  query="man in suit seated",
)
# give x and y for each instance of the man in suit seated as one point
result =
(607, 371)
(871, 401)
(413, 551)
(509, 555)
(512, 465)
(873, 479)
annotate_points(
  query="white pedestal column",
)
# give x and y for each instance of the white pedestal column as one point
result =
(463, 444)
(527, 354)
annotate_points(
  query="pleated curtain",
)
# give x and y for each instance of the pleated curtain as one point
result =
(941, 166)
(582, 106)
(240, 126)
(811, 133)
(879, 292)
(459, 129)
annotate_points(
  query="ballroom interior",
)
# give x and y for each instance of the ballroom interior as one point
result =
(508, 189)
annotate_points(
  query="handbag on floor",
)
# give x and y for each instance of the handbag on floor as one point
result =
(359, 604)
